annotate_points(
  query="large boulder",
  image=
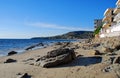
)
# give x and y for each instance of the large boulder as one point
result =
(56, 57)
(12, 53)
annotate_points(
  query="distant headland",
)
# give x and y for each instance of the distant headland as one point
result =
(70, 35)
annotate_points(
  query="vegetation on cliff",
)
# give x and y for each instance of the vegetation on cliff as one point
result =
(97, 30)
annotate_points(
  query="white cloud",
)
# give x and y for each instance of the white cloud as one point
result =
(54, 26)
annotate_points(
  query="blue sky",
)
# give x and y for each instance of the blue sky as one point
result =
(39, 18)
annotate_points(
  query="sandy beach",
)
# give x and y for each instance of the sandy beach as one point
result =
(59, 39)
(86, 65)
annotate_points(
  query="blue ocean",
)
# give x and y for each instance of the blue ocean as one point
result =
(19, 45)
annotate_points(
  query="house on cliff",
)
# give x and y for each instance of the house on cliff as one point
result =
(111, 26)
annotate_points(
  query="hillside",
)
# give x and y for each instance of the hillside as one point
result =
(71, 35)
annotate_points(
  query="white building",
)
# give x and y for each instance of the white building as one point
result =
(114, 29)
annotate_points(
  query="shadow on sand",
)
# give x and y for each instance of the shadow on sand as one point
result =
(83, 61)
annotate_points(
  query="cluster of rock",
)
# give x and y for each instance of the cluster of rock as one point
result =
(56, 57)
(105, 45)
(29, 48)
(60, 56)
(110, 50)
(112, 43)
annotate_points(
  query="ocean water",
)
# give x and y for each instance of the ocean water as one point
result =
(19, 45)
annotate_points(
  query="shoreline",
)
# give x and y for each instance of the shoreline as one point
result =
(34, 46)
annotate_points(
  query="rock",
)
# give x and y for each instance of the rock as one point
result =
(111, 54)
(33, 46)
(10, 61)
(30, 48)
(107, 69)
(77, 47)
(62, 59)
(25, 75)
(88, 46)
(57, 57)
(58, 52)
(96, 45)
(40, 44)
(45, 47)
(117, 60)
(58, 43)
(94, 52)
(29, 59)
(113, 68)
(97, 52)
(65, 45)
(12, 53)
(105, 49)
(117, 52)
(108, 60)
(117, 47)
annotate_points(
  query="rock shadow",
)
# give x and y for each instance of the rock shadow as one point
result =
(83, 61)
(86, 61)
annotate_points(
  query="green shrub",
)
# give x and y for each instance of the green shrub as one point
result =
(97, 30)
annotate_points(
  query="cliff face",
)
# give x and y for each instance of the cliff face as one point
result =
(71, 35)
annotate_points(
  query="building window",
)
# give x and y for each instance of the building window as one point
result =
(112, 12)
(112, 19)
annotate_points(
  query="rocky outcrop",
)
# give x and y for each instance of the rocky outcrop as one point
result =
(10, 60)
(56, 57)
(109, 44)
(12, 53)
